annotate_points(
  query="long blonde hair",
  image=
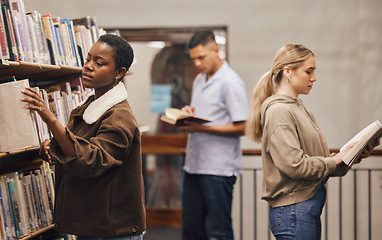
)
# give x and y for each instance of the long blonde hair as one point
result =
(290, 55)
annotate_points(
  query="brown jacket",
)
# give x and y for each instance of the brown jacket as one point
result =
(100, 193)
(295, 154)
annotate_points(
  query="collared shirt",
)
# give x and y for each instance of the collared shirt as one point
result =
(222, 100)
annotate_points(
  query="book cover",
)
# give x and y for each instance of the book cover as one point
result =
(178, 117)
(362, 139)
(17, 124)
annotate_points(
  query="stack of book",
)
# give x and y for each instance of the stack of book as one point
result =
(26, 201)
(44, 39)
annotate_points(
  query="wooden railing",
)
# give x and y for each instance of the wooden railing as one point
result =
(171, 144)
(175, 144)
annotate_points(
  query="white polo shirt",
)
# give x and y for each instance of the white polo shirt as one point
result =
(222, 99)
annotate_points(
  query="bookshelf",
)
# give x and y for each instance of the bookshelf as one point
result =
(26, 181)
(26, 160)
(37, 72)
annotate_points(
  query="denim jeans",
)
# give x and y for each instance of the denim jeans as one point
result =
(299, 221)
(207, 197)
(134, 237)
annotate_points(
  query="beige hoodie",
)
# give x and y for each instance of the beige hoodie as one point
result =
(295, 154)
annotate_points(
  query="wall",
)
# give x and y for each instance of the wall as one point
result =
(346, 36)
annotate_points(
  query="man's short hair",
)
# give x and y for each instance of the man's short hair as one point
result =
(201, 37)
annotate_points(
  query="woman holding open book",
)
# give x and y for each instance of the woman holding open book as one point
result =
(99, 184)
(295, 155)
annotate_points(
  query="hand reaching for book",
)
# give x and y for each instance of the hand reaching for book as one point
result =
(45, 151)
(37, 103)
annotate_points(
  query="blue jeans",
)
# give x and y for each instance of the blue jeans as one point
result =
(299, 221)
(207, 196)
(134, 237)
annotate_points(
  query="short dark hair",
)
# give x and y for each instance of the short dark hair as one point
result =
(123, 52)
(201, 37)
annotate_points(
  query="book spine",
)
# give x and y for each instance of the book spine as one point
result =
(34, 197)
(3, 38)
(5, 219)
(28, 204)
(58, 38)
(74, 44)
(32, 206)
(16, 32)
(10, 37)
(15, 211)
(21, 202)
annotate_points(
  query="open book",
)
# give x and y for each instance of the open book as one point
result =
(364, 137)
(178, 117)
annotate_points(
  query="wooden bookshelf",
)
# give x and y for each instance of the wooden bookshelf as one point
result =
(38, 232)
(37, 72)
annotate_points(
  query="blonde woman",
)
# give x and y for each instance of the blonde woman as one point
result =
(295, 155)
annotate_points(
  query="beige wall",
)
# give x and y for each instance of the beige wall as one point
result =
(346, 36)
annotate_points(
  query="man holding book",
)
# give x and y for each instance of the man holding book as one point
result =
(213, 155)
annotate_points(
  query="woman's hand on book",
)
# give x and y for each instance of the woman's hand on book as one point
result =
(37, 103)
(366, 152)
(338, 158)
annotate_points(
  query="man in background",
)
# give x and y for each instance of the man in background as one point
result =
(213, 155)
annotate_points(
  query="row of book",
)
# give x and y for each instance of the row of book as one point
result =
(62, 99)
(43, 39)
(21, 128)
(26, 201)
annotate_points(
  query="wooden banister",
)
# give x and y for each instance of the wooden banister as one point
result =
(172, 144)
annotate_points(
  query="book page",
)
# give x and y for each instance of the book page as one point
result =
(358, 136)
(175, 113)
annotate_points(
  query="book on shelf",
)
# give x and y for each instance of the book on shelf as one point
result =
(51, 40)
(3, 39)
(33, 37)
(179, 117)
(18, 204)
(38, 38)
(8, 221)
(367, 135)
(7, 79)
(26, 201)
(17, 124)
(18, 14)
(8, 26)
